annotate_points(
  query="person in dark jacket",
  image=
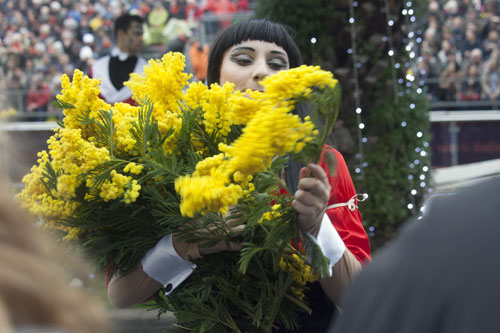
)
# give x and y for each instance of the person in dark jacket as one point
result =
(440, 274)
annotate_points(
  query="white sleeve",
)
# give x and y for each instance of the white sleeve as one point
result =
(329, 241)
(163, 264)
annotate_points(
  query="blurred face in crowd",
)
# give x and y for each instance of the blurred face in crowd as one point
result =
(130, 41)
(247, 63)
(470, 36)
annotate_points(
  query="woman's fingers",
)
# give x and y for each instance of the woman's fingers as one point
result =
(319, 185)
(219, 247)
(313, 197)
(238, 230)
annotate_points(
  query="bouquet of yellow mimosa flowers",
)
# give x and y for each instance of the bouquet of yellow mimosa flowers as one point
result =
(188, 157)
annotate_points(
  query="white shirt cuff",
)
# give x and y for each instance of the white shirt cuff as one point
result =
(329, 242)
(163, 264)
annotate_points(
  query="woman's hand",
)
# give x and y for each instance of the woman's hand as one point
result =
(311, 198)
(225, 245)
(189, 251)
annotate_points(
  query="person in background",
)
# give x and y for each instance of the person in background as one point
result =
(470, 43)
(192, 12)
(39, 96)
(242, 5)
(115, 69)
(35, 295)
(198, 55)
(449, 79)
(490, 81)
(438, 275)
(471, 86)
(491, 43)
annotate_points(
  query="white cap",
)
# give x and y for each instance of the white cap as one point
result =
(88, 38)
(86, 53)
(55, 6)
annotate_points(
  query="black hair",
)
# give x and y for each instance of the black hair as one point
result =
(254, 29)
(124, 22)
(267, 31)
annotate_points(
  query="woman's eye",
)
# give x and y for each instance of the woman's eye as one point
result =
(242, 60)
(277, 64)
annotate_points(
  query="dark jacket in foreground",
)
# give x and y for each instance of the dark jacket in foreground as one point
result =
(441, 274)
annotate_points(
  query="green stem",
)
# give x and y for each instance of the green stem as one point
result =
(300, 304)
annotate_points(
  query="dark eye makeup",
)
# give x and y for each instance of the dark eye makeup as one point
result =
(245, 59)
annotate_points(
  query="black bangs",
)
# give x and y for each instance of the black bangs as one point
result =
(255, 29)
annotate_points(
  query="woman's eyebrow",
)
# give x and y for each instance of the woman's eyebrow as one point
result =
(279, 52)
(243, 48)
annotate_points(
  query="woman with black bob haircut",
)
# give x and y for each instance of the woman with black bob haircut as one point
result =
(257, 29)
(244, 54)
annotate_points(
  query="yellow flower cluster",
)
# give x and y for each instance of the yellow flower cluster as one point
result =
(244, 105)
(70, 157)
(162, 82)
(216, 111)
(195, 95)
(271, 215)
(121, 185)
(297, 81)
(206, 194)
(301, 273)
(83, 93)
(114, 189)
(124, 116)
(271, 130)
(133, 168)
(7, 113)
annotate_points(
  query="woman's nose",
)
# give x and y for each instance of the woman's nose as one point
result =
(261, 71)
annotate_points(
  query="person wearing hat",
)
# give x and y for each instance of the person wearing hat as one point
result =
(115, 69)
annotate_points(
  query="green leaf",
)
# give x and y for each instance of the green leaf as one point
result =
(60, 104)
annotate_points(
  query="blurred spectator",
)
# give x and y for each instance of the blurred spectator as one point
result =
(198, 54)
(176, 8)
(193, 11)
(449, 79)
(450, 8)
(490, 9)
(155, 23)
(470, 42)
(431, 40)
(429, 70)
(242, 5)
(115, 69)
(475, 58)
(491, 43)
(490, 80)
(39, 96)
(177, 45)
(219, 9)
(457, 29)
(471, 86)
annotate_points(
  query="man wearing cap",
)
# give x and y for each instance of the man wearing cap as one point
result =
(115, 69)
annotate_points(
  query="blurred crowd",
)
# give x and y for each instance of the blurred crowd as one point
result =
(42, 39)
(460, 52)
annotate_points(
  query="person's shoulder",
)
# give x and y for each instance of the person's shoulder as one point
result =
(142, 60)
(102, 59)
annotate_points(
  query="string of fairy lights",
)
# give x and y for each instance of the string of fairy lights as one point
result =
(360, 126)
(407, 84)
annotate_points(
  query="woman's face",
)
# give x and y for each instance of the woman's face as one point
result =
(247, 63)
